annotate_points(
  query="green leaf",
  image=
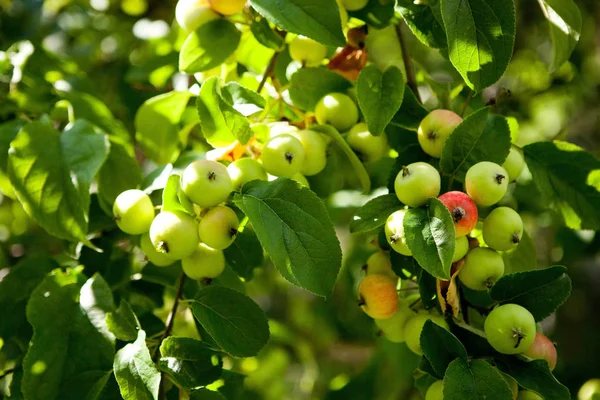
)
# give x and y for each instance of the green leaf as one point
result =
(205, 394)
(481, 37)
(541, 292)
(523, 258)
(157, 125)
(411, 112)
(377, 13)
(43, 182)
(359, 168)
(123, 323)
(440, 347)
(208, 46)
(478, 298)
(424, 377)
(474, 380)
(536, 376)
(88, 386)
(480, 137)
(84, 151)
(309, 85)
(245, 254)
(423, 23)
(233, 320)
(69, 339)
(430, 237)
(119, 173)
(374, 214)
(8, 131)
(564, 19)
(263, 33)
(136, 374)
(380, 96)
(173, 198)
(221, 123)
(15, 289)
(296, 231)
(189, 362)
(316, 19)
(560, 172)
(243, 100)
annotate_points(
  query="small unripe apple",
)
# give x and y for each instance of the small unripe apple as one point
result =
(435, 129)
(175, 234)
(394, 233)
(379, 263)
(218, 227)
(377, 296)
(368, 148)
(393, 328)
(204, 262)
(463, 211)
(514, 163)
(512, 384)
(435, 391)
(133, 212)
(245, 170)
(283, 155)
(529, 395)
(482, 268)
(510, 329)
(486, 183)
(338, 110)
(589, 390)
(315, 151)
(414, 327)
(354, 5)
(503, 229)
(227, 7)
(206, 183)
(155, 257)
(461, 248)
(542, 349)
(416, 183)
(307, 51)
(301, 179)
(190, 14)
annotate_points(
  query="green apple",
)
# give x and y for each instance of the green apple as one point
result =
(435, 391)
(283, 155)
(379, 263)
(482, 268)
(307, 51)
(204, 262)
(503, 229)
(218, 227)
(414, 327)
(394, 233)
(529, 395)
(190, 14)
(277, 128)
(338, 110)
(486, 183)
(514, 163)
(174, 234)
(377, 296)
(245, 170)
(589, 390)
(461, 248)
(512, 384)
(315, 151)
(227, 7)
(354, 5)
(416, 183)
(368, 148)
(301, 179)
(510, 329)
(206, 183)
(155, 257)
(435, 129)
(133, 212)
(393, 328)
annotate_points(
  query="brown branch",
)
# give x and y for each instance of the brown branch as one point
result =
(410, 72)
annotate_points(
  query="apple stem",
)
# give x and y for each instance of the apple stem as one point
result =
(117, 218)
(361, 301)
(405, 172)
(162, 247)
(233, 232)
(457, 214)
(519, 336)
(212, 176)
(365, 267)
(515, 238)
(289, 157)
(499, 178)
(394, 238)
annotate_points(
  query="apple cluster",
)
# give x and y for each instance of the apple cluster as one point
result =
(509, 328)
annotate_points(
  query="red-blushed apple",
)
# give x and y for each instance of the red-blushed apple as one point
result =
(435, 129)
(542, 349)
(377, 296)
(463, 210)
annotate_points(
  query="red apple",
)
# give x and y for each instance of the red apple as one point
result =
(542, 349)
(463, 210)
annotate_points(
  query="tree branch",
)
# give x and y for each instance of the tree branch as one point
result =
(410, 72)
(6, 373)
(464, 109)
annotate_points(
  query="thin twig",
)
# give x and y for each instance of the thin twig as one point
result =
(410, 72)
(464, 109)
(7, 372)
(270, 67)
